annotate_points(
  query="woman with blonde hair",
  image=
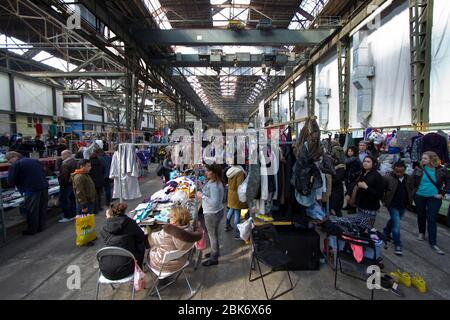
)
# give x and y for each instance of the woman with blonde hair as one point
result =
(178, 235)
(431, 182)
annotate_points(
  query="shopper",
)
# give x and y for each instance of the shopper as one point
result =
(39, 146)
(363, 152)
(84, 188)
(29, 177)
(121, 231)
(168, 166)
(66, 194)
(236, 176)
(337, 180)
(398, 194)
(176, 236)
(212, 204)
(106, 161)
(97, 174)
(353, 168)
(366, 195)
(431, 182)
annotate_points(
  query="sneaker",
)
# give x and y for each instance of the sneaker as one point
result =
(421, 237)
(210, 262)
(228, 228)
(401, 277)
(65, 220)
(398, 251)
(437, 249)
(418, 282)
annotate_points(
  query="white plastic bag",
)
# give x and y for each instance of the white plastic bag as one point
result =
(245, 229)
(242, 191)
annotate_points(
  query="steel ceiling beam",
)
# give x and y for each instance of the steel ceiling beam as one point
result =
(88, 74)
(218, 37)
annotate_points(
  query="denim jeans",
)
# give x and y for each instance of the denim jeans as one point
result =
(427, 211)
(212, 221)
(67, 201)
(393, 225)
(237, 219)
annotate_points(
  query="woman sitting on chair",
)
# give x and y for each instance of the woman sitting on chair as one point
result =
(121, 231)
(178, 235)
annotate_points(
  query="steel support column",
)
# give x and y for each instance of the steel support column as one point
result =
(343, 53)
(310, 89)
(421, 21)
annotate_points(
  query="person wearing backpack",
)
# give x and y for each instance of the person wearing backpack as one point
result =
(236, 176)
(431, 182)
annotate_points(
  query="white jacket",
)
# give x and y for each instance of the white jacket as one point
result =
(125, 172)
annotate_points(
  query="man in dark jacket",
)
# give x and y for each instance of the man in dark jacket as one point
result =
(66, 195)
(398, 194)
(121, 231)
(84, 188)
(97, 174)
(106, 161)
(29, 177)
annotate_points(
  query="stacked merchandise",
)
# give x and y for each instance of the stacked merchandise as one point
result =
(156, 209)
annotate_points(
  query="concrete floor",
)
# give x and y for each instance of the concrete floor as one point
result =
(36, 268)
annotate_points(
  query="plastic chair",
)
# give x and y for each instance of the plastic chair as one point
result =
(160, 275)
(363, 242)
(114, 251)
(271, 256)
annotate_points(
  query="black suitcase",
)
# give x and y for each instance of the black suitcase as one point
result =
(302, 246)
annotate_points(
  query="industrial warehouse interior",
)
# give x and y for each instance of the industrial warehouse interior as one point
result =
(225, 150)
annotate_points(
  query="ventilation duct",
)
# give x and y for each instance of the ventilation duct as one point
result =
(324, 106)
(363, 72)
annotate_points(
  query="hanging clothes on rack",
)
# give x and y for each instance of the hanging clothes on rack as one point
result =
(125, 172)
(436, 143)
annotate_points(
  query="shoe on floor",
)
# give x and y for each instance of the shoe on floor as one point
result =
(421, 237)
(401, 277)
(63, 220)
(28, 233)
(418, 282)
(228, 228)
(437, 249)
(210, 262)
(398, 251)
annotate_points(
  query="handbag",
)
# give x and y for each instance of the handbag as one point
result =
(85, 229)
(434, 182)
(139, 278)
(201, 244)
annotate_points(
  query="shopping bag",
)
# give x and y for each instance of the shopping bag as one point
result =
(245, 229)
(85, 229)
(201, 244)
(242, 191)
(139, 278)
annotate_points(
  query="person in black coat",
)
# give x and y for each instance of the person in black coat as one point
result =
(97, 174)
(121, 231)
(353, 168)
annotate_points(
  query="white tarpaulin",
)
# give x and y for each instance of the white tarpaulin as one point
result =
(301, 107)
(33, 96)
(390, 53)
(284, 106)
(440, 64)
(327, 91)
(5, 94)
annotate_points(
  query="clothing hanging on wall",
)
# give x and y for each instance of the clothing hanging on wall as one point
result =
(436, 143)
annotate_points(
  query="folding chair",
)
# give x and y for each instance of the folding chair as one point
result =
(363, 242)
(271, 256)
(160, 275)
(114, 251)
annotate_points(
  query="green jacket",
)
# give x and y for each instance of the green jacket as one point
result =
(84, 189)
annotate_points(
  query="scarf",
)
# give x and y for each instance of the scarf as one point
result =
(80, 171)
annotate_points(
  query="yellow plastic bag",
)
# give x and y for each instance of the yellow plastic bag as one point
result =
(85, 228)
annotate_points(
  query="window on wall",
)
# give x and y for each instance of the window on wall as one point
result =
(94, 110)
(30, 122)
